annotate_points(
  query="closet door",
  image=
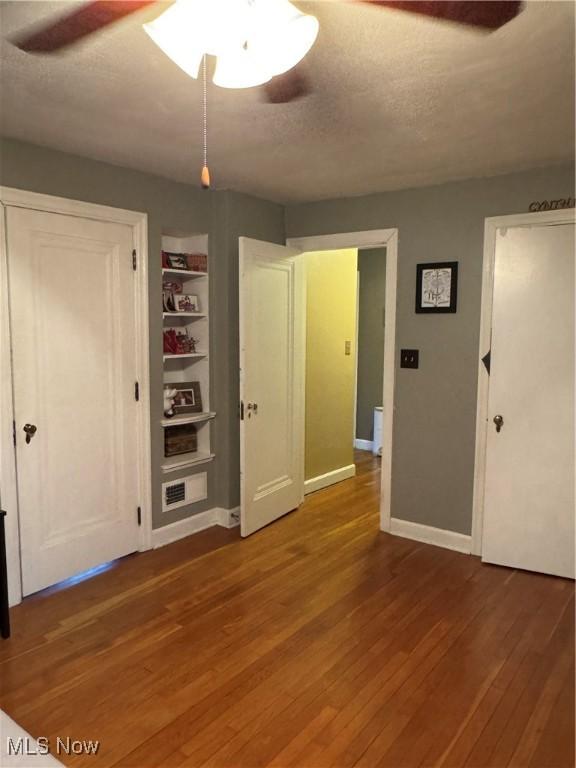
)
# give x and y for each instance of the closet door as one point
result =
(73, 328)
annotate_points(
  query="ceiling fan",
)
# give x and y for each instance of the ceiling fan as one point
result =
(281, 88)
(255, 42)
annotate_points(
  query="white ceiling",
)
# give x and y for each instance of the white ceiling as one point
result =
(399, 101)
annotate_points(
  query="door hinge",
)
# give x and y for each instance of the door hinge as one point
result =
(139, 514)
(14, 433)
(134, 260)
(136, 391)
(241, 410)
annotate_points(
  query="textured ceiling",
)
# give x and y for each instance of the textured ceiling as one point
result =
(399, 101)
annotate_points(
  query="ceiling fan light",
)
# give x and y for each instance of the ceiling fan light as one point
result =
(238, 70)
(253, 40)
(171, 33)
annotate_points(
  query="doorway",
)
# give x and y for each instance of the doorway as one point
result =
(525, 461)
(345, 297)
(271, 377)
(75, 464)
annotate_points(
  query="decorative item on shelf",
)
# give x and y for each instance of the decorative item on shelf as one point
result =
(436, 287)
(181, 438)
(168, 302)
(187, 262)
(172, 286)
(169, 394)
(169, 289)
(178, 342)
(185, 302)
(187, 398)
(198, 262)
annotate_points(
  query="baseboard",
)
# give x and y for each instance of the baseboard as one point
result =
(182, 528)
(168, 534)
(335, 476)
(363, 445)
(430, 535)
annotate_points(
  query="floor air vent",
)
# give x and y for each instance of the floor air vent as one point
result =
(187, 490)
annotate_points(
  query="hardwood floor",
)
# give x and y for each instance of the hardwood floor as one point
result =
(317, 642)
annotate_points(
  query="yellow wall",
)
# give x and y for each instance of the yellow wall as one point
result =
(331, 279)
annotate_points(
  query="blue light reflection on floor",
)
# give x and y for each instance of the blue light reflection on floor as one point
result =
(85, 575)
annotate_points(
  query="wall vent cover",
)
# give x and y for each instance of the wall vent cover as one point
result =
(187, 490)
(175, 493)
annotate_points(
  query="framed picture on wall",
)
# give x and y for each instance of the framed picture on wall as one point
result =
(436, 287)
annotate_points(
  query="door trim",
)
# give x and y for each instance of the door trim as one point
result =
(19, 198)
(491, 226)
(375, 238)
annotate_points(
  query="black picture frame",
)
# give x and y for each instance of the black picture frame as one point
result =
(421, 269)
(191, 399)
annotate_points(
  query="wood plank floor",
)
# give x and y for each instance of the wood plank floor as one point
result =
(317, 642)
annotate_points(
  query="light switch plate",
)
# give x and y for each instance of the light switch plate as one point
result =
(409, 358)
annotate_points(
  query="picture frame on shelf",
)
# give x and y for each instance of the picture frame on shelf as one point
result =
(175, 261)
(185, 302)
(188, 397)
(436, 287)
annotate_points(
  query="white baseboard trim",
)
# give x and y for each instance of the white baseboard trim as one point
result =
(227, 518)
(430, 535)
(363, 445)
(335, 476)
(182, 528)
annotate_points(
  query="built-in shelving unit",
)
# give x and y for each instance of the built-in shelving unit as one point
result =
(191, 366)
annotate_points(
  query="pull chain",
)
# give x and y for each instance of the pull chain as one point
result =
(205, 176)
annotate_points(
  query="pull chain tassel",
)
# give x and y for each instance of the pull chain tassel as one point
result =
(205, 175)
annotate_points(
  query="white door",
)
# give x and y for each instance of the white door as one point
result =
(271, 382)
(72, 316)
(529, 490)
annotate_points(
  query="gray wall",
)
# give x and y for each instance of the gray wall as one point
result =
(434, 419)
(371, 299)
(435, 406)
(170, 207)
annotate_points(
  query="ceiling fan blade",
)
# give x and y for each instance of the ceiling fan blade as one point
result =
(82, 22)
(287, 87)
(489, 14)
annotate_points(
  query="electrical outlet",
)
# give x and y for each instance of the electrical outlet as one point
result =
(347, 347)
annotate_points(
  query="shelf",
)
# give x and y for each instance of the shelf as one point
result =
(184, 460)
(184, 314)
(196, 355)
(189, 418)
(183, 273)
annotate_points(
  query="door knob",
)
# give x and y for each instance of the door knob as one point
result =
(30, 430)
(499, 421)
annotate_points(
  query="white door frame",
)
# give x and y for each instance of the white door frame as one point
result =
(19, 198)
(491, 226)
(376, 238)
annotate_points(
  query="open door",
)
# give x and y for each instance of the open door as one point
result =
(271, 382)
